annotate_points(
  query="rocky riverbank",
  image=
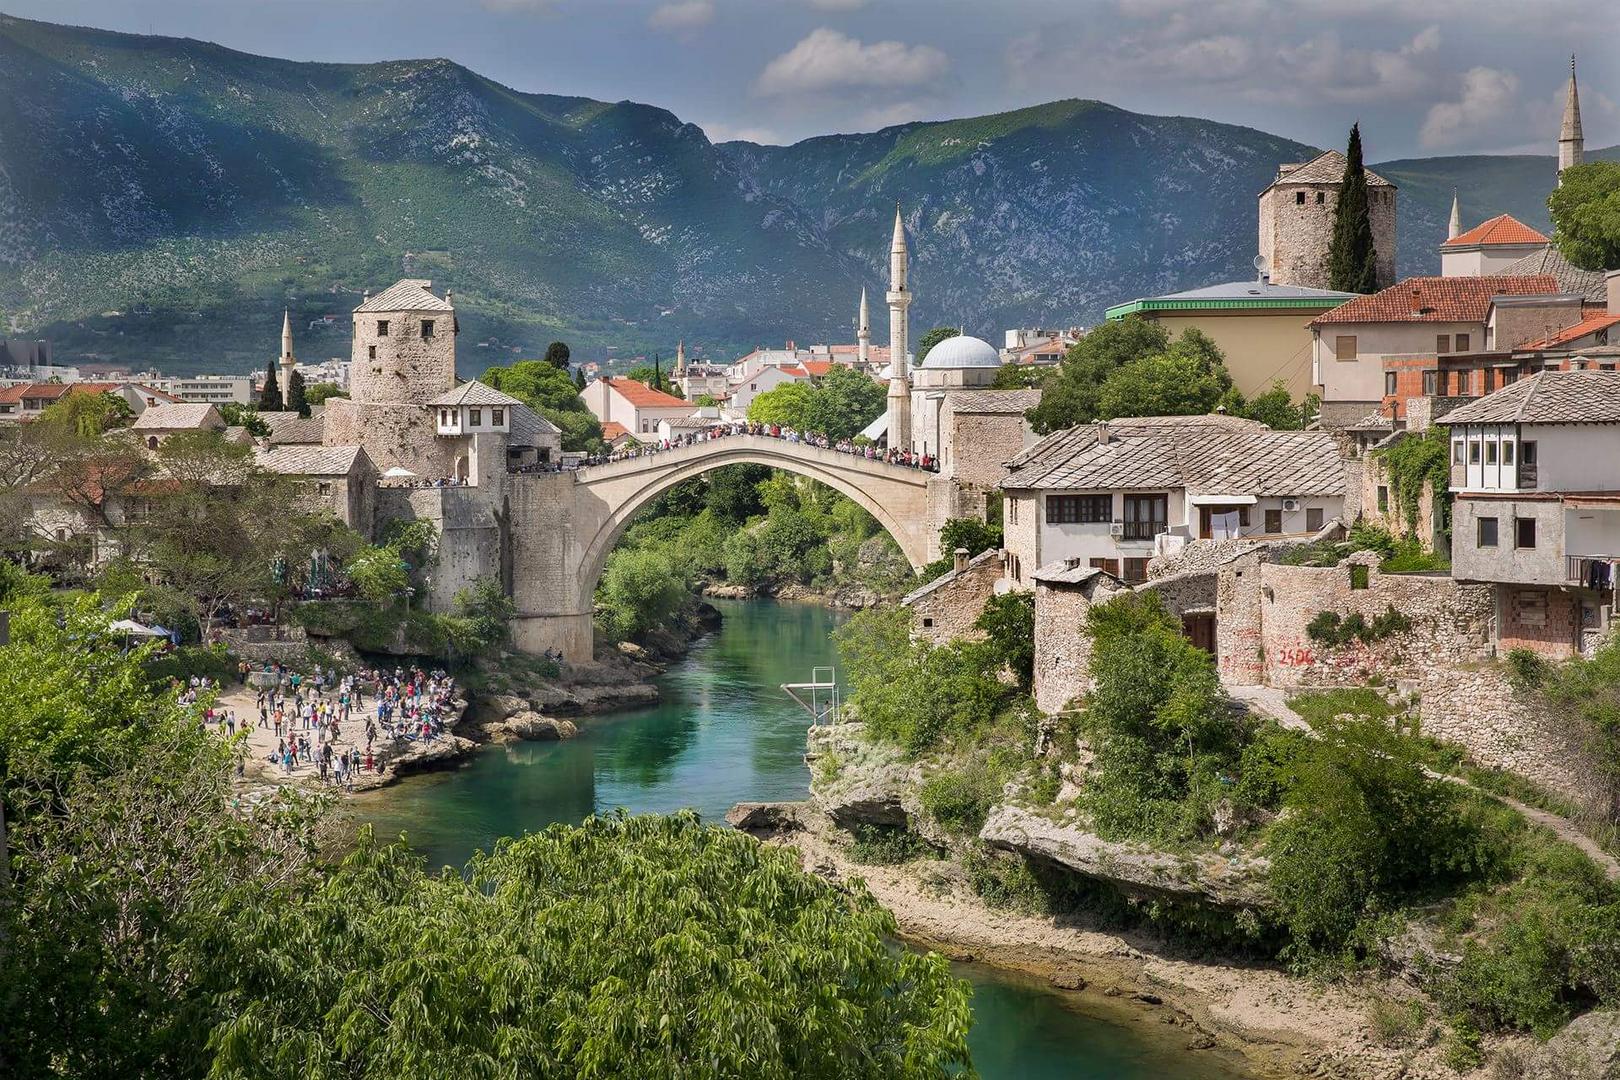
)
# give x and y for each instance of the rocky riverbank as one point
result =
(934, 885)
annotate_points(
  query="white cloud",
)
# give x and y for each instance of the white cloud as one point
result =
(827, 60)
(683, 15)
(1487, 104)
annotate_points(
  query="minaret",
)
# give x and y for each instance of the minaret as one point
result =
(1455, 228)
(863, 333)
(680, 359)
(1571, 144)
(899, 300)
(288, 361)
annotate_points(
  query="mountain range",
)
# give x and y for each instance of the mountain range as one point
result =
(162, 200)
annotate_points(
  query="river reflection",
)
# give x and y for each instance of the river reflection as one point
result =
(723, 733)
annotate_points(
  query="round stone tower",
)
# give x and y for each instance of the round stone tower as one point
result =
(1296, 221)
(404, 348)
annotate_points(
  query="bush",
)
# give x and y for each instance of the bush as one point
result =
(961, 798)
(1396, 1023)
(1526, 669)
(204, 661)
(1331, 629)
(879, 845)
(640, 590)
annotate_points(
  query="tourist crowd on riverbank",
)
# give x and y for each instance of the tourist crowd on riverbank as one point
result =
(335, 726)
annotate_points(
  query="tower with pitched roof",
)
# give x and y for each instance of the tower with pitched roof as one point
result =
(1571, 143)
(899, 401)
(1296, 221)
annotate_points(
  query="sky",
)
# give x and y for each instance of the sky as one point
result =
(1424, 77)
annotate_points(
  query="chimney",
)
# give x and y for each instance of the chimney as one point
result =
(1612, 279)
(961, 559)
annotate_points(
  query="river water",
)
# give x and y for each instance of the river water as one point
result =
(725, 733)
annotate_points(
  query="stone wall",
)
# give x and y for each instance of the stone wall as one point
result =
(470, 525)
(1295, 237)
(976, 446)
(405, 436)
(407, 367)
(265, 644)
(946, 608)
(1062, 643)
(1479, 710)
(1451, 623)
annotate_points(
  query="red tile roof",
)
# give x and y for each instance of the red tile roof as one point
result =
(1501, 229)
(643, 396)
(1590, 323)
(1437, 299)
(817, 368)
(612, 431)
(56, 391)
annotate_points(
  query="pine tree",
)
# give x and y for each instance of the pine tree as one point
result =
(296, 401)
(270, 396)
(579, 378)
(1352, 259)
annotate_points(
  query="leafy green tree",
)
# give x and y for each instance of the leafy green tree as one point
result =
(379, 572)
(789, 405)
(236, 414)
(270, 392)
(933, 337)
(733, 492)
(1585, 210)
(655, 376)
(640, 590)
(1069, 396)
(322, 392)
(557, 355)
(705, 401)
(1008, 623)
(1274, 408)
(86, 415)
(297, 401)
(1021, 376)
(551, 393)
(1352, 258)
(1188, 379)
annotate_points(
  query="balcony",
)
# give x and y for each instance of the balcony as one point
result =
(1588, 572)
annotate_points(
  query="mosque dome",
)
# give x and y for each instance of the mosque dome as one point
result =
(962, 352)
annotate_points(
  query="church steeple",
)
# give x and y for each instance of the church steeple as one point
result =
(288, 360)
(1571, 143)
(1455, 228)
(899, 297)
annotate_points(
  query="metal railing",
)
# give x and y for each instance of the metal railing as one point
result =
(1143, 530)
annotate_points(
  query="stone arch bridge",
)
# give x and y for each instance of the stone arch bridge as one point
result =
(561, 526)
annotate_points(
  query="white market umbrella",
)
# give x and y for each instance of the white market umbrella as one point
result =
(397, 473)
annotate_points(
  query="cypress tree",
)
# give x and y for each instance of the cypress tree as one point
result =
(1352, 259)
(270, 396)
(296, 401)
(579, 378)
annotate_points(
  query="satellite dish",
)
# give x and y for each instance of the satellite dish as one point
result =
(1260, 263)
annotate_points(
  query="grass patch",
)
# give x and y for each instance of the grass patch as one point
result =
(1321, 707)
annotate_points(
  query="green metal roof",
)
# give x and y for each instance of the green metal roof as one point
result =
(1254, 303)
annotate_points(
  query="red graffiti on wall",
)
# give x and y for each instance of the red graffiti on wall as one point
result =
(1296, 656)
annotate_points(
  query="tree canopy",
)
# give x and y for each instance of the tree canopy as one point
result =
(270, 392)
(322, 392)
(1352, 258)
(1585, 210)
(557, 355)
(550, 392)
(1186, 379)
(839, 406)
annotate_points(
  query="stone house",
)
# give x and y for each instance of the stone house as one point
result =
(1116, 494)
(158, 422)
(1064, 593)
(1537, 508)
(946, 608)
(341, 477)
(981, 430)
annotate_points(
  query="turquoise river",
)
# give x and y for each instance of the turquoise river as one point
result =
(723, 733)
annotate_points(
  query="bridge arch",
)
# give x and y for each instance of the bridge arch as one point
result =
(899, 502)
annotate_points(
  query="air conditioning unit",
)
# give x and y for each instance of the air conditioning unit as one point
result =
(1290, 505)
(1116, 528)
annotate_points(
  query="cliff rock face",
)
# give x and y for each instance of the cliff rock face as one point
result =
(1232, 882)
(855, 781)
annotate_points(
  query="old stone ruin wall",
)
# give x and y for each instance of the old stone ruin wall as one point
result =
(471, 536)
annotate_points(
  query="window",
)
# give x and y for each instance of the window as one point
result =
(1344, 347)
(371, 352)
(927, 623)
(1079, 509)
(1442, 343)
(323, 487)
(1389, 384)
(1299, 198)
(1456, 451)
(1383, 497)
(1461, 342)
(1243, 517)
(1524, 532)
(475, 417)
(497, 417)
(1274, 522)
(1490, 451)
(444, 417)
(1431, 382)
(382, 327)
(1485, 532)
(1135, 571)
(1313, 519)
(1146, 516)
(1110, 566)
(1012, 511)
(1509, 376)
(1321, 197)
(1530, 607)
(1527, 452)
(1473, 451)
(1507, 451)
(151, 442)
(427, 329)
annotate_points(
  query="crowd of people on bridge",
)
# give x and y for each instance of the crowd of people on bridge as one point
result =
(724, 430)
(308, 714)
